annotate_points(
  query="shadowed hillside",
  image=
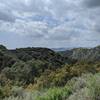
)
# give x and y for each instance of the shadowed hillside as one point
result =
(26, 54)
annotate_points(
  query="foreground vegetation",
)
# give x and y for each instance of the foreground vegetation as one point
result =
(86, 87)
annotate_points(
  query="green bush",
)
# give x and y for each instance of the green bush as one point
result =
(55, 94)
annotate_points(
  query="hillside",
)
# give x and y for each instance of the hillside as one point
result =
(26, 54)
(20, 64)
(47, 74)
(81, 54)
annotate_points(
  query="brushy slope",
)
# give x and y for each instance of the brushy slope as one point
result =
(86, 87)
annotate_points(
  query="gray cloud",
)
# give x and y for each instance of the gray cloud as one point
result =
(6, 16)
(6, 13)
(92, 3)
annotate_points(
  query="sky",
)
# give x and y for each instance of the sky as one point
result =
(50, 23)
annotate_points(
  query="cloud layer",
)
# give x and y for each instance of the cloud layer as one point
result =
(50, 23)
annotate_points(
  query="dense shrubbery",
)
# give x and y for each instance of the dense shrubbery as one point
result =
(60, 76)
(86, 87)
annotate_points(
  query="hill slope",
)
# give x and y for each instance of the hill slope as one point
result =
(26, 54)
(92, 54)
(25, 64)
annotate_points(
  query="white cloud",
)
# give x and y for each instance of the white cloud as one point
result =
(25, 28)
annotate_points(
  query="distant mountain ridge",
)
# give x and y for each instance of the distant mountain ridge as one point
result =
(61, 49)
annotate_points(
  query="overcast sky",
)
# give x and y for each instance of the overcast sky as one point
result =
(49, 23)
